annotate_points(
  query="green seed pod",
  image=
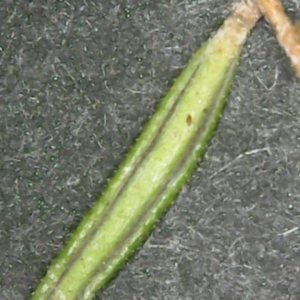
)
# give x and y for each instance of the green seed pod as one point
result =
(153, 172)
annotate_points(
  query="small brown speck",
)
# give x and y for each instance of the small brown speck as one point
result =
(189, 119)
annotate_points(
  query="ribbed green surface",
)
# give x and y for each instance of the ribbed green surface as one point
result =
(147, 182)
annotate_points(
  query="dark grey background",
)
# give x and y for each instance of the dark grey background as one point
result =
(78, 81)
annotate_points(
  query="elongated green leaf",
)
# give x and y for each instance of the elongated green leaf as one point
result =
(152, 174)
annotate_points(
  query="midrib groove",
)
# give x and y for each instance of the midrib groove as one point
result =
(199, 134)
(113, 203)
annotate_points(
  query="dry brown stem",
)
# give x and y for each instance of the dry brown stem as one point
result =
(287, 32)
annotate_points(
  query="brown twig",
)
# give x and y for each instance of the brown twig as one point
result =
(287, 33)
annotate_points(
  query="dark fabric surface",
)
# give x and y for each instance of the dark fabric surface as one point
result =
(78, 81)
